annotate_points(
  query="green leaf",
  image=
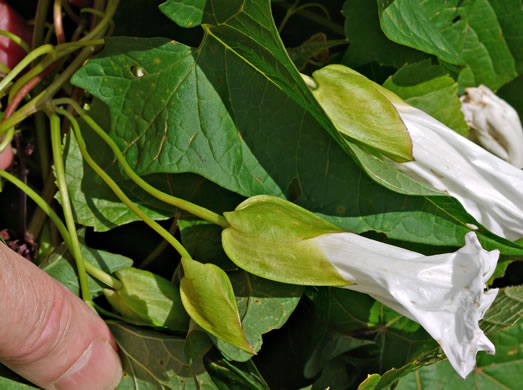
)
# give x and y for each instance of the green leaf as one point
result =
(360, 111)
(197, 344)
(459, 32)
(155, 361)
(330, 184)
(506, 310)
(208, 297)
(370, 383)
(9, 384)
(185, 13)
(331, 346)
(509, 14)
(234, 375)
(429, 88)
(368, 43)
(263, 305)
(94, 203)
(154, 119)
(500, 371)
(236, 29)
(60, 265)
(149, 298)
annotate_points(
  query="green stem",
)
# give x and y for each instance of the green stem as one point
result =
(56, 143)
(93, 271)
(190, 207)
(6, 141)
(4, 69)
(39, 26)
(61, 51)
(41, 203)
(42, 143)
(41, 99)
(117, 191)
(159, 248)
(33, 55)
(39, 216)
(322, 21)
(16, 39)
(98, 31)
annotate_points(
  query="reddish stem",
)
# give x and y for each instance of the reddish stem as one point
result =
(57, 19)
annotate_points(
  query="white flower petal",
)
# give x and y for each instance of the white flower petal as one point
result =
(490, 189)
(444, 293)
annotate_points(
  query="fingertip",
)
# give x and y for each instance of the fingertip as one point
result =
(98, 368)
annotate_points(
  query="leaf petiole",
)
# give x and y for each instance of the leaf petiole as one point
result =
(117, 190)
(56, 144)
(190, 207)
(90, 268)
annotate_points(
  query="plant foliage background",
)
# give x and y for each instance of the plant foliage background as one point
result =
(205, 99)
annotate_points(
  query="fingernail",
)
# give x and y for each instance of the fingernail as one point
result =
(98, 368)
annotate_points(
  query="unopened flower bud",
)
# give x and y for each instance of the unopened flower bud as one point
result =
(494, 123)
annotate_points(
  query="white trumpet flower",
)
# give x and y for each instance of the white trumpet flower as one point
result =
(489, 188)
(275, 239)
(494, 123)
(443, 293)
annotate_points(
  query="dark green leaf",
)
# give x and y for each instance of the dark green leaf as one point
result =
(185, 13)
(510, 17)
(330, 184)
(60, 265)
(500, 371)
(506, 310)
(203, 241)
(153, 360)
(236, 29)
(171, 119)
(368, 43)
(459, 32)
(430, 89)
(94, 203)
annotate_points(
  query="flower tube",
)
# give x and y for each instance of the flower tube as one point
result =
(275, 239)
(489, 188)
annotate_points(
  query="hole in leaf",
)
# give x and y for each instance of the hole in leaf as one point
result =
(137, 71)
(456, 19)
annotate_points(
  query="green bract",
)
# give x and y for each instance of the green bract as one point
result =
(362, 110)
(271, 237)
(208, 297)
(148, 298)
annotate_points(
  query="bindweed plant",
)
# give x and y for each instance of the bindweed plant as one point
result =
(320, 218)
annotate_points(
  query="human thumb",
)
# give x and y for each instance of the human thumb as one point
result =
(48, 335)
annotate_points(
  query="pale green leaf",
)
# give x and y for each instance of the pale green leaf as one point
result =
(208, 297)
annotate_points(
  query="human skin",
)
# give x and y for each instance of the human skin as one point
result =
(50, 336)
